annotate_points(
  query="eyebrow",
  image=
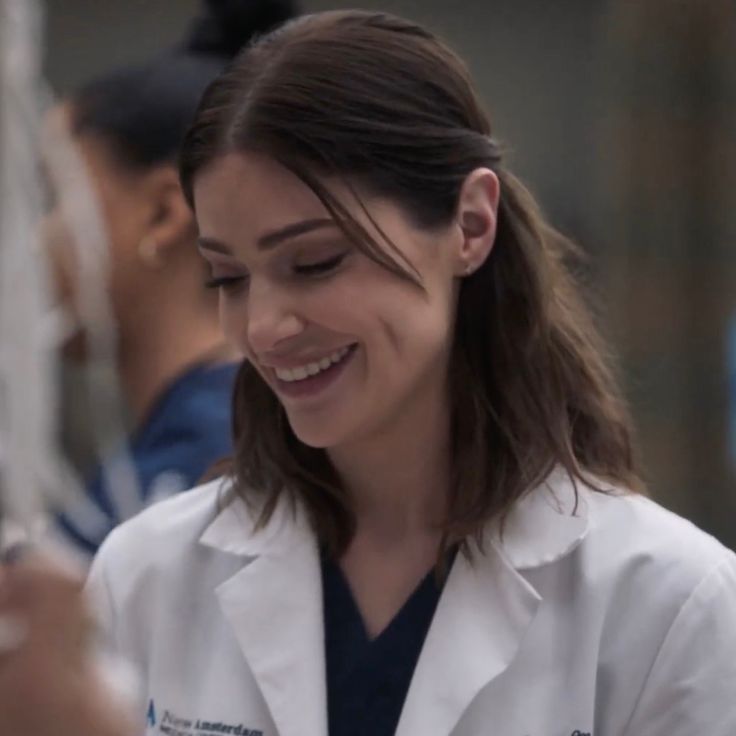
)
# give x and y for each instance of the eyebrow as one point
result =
(269, 240)
(275, 237)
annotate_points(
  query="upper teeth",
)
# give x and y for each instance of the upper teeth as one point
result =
(311, 369)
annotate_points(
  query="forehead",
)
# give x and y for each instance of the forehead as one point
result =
(241, 195)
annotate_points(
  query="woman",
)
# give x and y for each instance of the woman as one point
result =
(430, 526)
(176, 370)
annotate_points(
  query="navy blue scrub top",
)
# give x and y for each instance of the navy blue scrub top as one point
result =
(187, 430)
(368, 679)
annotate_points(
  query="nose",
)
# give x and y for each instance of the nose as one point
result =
(270, 317)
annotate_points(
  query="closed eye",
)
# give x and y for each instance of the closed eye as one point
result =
(224, 282)
(320, 267)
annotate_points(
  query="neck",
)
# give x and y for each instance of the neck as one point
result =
(162, 340)
(398, 479)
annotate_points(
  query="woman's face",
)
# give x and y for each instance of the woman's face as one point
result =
(347, 346)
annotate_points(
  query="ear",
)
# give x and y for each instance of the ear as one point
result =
(170, 221)
(477, 212)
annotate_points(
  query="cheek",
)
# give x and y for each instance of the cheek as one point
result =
(408, 341)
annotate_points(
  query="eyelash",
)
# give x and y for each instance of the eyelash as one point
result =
(224, 282)
(309, 269)
(320, 267)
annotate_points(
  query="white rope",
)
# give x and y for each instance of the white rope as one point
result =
(27, 403)
(33, 471)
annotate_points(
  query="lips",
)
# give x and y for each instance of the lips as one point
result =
(313, 368)
(310, 379)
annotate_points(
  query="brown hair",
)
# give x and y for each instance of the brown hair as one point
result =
(380, 102)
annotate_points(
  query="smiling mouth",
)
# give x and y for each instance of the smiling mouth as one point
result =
(313, 377)
(293, 375)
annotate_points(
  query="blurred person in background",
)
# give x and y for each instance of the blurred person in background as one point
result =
(175, 368)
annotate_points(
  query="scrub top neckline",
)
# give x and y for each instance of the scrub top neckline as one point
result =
(425, 589)
(368, 678)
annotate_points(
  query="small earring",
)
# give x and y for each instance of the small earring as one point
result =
(468, 269)
(149, 252)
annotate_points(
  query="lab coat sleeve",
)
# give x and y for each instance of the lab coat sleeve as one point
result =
(691, 687)
(100, 600)
(120, 676)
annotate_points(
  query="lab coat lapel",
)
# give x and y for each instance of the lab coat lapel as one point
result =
(274, 605)
(487, 605)
(485, 608)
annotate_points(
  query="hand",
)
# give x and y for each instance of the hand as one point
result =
(48, 682)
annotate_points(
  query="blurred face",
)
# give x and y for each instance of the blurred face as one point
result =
(347, 346)
(122, 207)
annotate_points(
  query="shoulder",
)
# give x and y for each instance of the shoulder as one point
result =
(155, 569)
(161, 545)
(656, 575)
(645, 592)
(196, 407)
(189, 431)
(642, 538)
(608, 529)
(181, 518)
(615, 545)
(668, 592)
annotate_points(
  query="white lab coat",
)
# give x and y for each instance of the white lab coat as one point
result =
(616, 620)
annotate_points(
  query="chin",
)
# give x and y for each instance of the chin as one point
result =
(317, 438)
(319, 433)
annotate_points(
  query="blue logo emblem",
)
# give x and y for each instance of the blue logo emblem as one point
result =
(151, 717)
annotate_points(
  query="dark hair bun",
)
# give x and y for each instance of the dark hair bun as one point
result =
(225, 26)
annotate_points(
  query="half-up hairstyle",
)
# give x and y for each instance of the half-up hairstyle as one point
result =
(381, 103)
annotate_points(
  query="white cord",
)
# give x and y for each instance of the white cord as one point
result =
(34, 473)
(27, 401)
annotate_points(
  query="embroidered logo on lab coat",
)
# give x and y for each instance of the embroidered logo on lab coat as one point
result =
(151, 716)
(174, 725)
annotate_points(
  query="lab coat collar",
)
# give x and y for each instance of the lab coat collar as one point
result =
(546, 524)
(235, 529)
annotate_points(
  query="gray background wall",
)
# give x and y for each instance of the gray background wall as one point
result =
(538, 64)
